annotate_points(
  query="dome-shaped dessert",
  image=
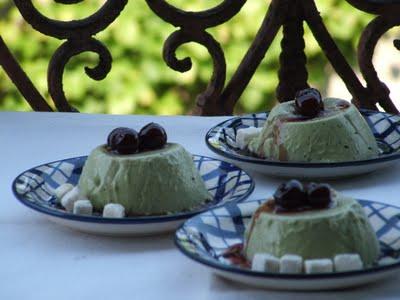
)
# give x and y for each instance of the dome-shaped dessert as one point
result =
(336, 133)
(148, 182)
(323, 232)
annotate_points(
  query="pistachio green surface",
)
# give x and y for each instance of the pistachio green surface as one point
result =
(153, 182)
(343, 228)
(342, 135)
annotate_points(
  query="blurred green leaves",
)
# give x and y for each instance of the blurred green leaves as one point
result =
(140, 82)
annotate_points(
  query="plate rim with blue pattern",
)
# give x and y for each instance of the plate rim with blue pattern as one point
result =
(229, 152)
(181, 237)
(52, 210)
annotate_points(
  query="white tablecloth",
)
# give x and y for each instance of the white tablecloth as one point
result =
(41, 260)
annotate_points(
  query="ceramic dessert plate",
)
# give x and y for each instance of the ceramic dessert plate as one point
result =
(207, 236)
(35, 187)
(221, 139)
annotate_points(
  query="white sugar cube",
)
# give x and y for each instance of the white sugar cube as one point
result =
(347, 262)
(83, 207)
(114, 210)
(291, 264)
(62, 190)
(245, 135)
(264, 262)
(68, 200)
(313, 266)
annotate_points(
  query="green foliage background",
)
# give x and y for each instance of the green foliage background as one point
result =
(140, 82)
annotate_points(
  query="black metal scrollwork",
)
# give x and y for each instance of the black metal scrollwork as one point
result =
(79, 39)
(388, 12)
(193, 27)
(206, 101)
(76, 29)
(293, 73)
(217, 98)
(60, 59)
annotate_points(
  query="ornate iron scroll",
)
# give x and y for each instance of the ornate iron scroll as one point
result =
(291, 14)
(388, 17)
(219, 97)
(193, 27)
(79, 39)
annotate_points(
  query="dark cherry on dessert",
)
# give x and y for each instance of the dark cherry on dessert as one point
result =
(309, 102)
(293, 196)
(319, 195)
(152, 136)
(290, 195)
(123, 141)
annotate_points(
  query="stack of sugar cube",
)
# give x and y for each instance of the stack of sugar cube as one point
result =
(294, 264)
(71, 199)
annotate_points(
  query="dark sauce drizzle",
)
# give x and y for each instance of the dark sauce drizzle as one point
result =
(236, 257)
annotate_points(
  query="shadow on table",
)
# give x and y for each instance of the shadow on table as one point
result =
(67, 239)
(379, 290)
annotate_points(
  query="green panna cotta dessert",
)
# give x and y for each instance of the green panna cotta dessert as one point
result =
(144, 173)
(310, 129)
(314, 222)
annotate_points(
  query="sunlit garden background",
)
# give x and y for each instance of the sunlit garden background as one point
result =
(140, 82)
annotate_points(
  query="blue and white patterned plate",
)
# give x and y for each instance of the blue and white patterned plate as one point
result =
(34, 188)
(386, 128)
(206, 236)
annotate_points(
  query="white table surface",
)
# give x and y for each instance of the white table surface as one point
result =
(41, 260)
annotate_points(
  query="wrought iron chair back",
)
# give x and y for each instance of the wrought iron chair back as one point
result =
(220, 96)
